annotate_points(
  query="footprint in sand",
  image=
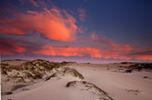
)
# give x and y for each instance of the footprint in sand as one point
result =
(133, 91)
(146, 77)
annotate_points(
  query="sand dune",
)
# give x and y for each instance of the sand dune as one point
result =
(73, 81)
(119, 85)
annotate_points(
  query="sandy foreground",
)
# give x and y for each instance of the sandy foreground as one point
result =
(120, 86)
(117, 84)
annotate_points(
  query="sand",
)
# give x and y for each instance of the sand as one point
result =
(118, 85)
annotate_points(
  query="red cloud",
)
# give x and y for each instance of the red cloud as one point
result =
(116, 51)
(69, 51)
(54, 24)
(79, 52)
(112, 47)
(12, 51)
(144, 57)
(10, 47)
(4, 51)
(10, 30)
(20, 49)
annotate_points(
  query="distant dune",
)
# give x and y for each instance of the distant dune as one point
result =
(40, 79)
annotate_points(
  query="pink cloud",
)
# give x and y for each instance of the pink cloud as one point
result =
(114, 51)
(11, 47)
(79, 52)
(35, 3)
(94, 36)
(10, 30)
(54, 24)
(82, 14)
(85, 51)
(69, 51)
(12, 51)
(117, 52)
(144, 57)
(20, 49)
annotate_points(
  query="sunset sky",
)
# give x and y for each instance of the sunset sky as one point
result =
(76, 30)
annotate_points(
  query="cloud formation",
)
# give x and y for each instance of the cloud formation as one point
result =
(82, 14)
(116, 52)
(54, 24)
(36, 3)
(69, 51)
(11, 47)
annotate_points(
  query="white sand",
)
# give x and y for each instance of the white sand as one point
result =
(120, 86)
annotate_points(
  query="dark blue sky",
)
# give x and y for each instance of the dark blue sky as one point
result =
(127, 21)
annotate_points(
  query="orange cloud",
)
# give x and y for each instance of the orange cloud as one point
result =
(114, 51)
(144, 57)
(54, 24)
(70, 51)
(113, 47)
(118, 52)
(80, 52)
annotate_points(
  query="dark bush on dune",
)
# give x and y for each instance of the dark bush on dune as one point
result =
(23, 73)
(28, 72)
(4, 68)
(73, 72)
(128, 71)
(39, 64)
(6, 93)
(141, 66)
(18, 86)
(34, 69)
(66, 71)
(89, 87)
(66, 63)
(126, 63)
(138, 67)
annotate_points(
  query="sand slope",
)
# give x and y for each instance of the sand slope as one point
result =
(56, 89)
(121, 86)
(99, 82)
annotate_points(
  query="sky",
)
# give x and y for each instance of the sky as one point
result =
(76, 30)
